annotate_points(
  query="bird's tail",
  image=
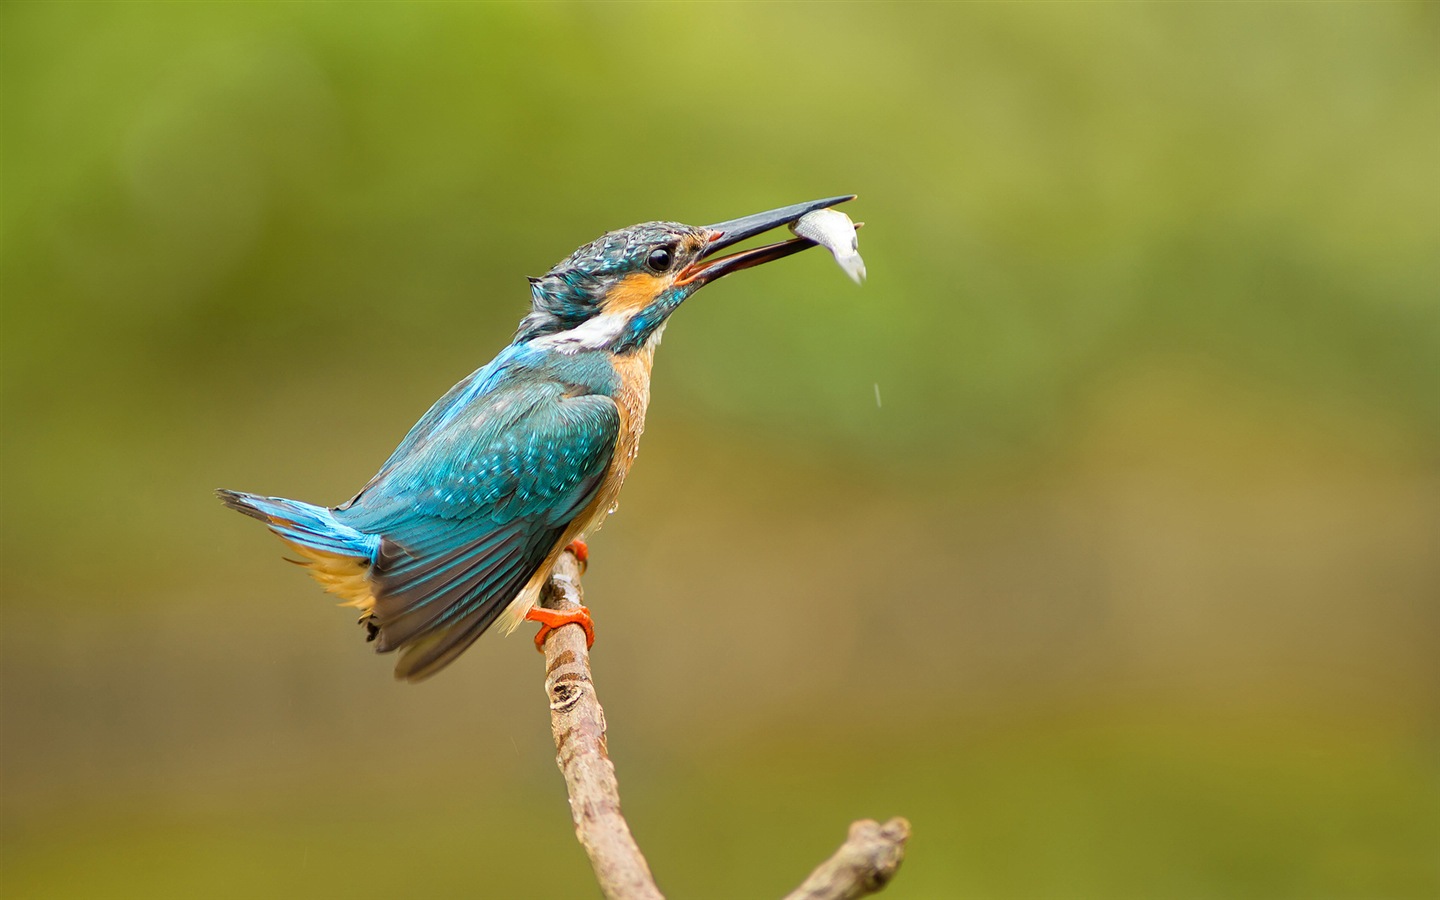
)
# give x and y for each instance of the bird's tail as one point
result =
(338, 556)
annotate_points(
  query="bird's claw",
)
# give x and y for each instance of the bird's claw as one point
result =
(582, 553)
(551, 619)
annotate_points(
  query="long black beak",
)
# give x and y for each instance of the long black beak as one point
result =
(705, 269)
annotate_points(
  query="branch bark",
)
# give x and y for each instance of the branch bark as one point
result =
(864, 864)
(578, 725)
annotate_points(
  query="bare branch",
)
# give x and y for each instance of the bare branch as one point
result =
(863, 865)
(578, 724)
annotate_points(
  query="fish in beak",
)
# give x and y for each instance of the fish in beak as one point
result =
(726, 234)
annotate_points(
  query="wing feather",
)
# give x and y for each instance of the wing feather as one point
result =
(474, 508)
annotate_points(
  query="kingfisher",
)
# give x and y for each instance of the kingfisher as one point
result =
(524, 458)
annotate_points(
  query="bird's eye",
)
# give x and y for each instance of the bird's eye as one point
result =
(661, 259)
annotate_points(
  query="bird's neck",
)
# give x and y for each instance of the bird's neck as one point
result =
(633, 369)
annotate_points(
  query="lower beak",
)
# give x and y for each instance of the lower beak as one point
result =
(708, 267)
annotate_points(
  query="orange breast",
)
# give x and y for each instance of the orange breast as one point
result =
(632, 398)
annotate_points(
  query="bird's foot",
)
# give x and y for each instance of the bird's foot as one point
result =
(551, 619)
(582, 553)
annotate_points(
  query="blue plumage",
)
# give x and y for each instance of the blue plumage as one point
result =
(462, 522)
(456, 522)
(304, 523)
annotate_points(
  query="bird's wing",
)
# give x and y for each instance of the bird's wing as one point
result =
(471, 511)
(467, 393)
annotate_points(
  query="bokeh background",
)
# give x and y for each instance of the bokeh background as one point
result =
(1097, 534)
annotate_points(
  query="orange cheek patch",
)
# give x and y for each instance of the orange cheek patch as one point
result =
(635, 292)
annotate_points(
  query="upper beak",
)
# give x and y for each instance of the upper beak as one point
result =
(706, 269)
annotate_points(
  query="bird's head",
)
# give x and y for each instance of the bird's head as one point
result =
(616, 292)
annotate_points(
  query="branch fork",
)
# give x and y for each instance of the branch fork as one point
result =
(864, 864)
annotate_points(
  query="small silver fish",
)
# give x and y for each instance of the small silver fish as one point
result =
(833, 230)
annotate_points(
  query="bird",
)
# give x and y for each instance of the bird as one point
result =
(522, 459)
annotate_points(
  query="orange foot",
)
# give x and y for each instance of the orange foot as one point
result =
(582, 553)
(551, 619)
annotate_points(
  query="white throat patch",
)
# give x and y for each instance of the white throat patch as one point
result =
(588, 335)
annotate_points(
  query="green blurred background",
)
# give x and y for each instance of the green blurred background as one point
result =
(1126, 587)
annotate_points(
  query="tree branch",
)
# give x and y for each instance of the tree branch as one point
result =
(864, 864)
(578, 724)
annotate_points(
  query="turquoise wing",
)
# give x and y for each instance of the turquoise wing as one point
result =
(472, 508)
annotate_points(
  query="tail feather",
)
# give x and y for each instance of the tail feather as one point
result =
(338, 556)
(429, 606)
(304, 524)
